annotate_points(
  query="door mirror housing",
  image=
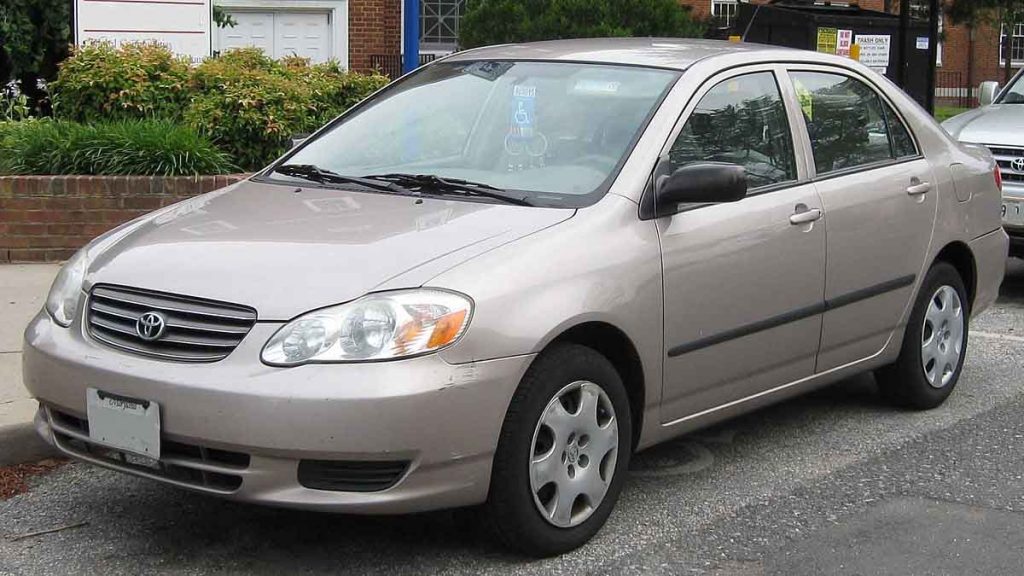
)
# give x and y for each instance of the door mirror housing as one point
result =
(299, 139)
(702, 182)
(987, 93)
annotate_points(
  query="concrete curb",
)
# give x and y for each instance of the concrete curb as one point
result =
(19, 443)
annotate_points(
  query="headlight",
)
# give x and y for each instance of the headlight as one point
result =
(66, 291)
(376, 327)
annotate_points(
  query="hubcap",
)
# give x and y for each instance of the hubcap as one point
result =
(942, 338)
(575, 445)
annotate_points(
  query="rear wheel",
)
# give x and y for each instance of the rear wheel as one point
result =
(562, 455)
(934, 344)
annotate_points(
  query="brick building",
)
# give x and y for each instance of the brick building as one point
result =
(365, 34)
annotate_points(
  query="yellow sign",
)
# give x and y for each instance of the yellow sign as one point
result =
(735, 38)
(827, 40)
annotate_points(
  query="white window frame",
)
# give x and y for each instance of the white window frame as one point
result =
(1018, 38)
(730, 8)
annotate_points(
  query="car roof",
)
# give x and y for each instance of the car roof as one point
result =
(675, 53)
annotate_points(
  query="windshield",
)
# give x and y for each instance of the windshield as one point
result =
(554, 132)
(1014, 93)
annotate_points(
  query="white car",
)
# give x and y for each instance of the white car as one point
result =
(999, 126)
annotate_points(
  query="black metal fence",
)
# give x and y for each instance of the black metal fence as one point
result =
(390, 65)
(951, 89)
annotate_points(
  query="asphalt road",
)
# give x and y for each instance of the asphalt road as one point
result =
(832, 483)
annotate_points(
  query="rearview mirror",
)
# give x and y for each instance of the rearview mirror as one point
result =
(702, 182)
(987, 93)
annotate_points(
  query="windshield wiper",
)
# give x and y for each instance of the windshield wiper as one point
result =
(452, 186)
(322, 176)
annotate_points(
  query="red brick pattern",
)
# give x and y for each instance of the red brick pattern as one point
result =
(374, 27)
(47, 218)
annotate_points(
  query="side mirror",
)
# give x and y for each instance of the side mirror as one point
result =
(987, 93)
(703, 182)
(298, 139)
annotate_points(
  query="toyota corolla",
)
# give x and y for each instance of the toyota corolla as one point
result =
(492, 282)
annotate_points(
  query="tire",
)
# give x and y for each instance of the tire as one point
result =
(941, 316)
(531, 521)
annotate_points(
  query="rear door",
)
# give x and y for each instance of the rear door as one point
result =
(879, 203)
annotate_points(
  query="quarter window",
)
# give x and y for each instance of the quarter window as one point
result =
(742, 121)
(848, 124)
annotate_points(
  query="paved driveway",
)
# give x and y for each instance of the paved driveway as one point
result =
(835, 482)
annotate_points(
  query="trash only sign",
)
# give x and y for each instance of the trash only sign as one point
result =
(181, 25)
(874, 51)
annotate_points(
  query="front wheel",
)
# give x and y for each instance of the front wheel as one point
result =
(562, 455)
(934, 344)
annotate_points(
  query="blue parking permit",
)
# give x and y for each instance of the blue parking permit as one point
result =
(524, 109)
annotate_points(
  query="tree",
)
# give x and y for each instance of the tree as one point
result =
(503, 21)
(1004, 14)
(34, 38)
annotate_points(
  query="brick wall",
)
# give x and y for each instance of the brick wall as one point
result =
(374, 27)
(47, 218)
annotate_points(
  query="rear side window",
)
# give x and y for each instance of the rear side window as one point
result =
(848, 124)
(742, 121)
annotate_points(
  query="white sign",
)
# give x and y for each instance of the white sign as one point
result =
(922, 42)
(874, 50)
(181, 25)
(843, 42)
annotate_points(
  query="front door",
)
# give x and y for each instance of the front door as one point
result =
(743, 281)
(879, 210)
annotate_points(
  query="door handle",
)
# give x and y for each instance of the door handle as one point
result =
(805, 216)
(917, 187)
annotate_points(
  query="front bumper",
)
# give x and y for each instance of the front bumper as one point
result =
(442, 420)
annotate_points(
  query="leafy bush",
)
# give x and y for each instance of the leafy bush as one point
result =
(504, 21)
(34, 37)
(247, 103)
(251, 105)
(155, 147)
(136, 80)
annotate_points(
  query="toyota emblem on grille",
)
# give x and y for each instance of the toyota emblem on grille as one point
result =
(150, 326)
(1017, 164)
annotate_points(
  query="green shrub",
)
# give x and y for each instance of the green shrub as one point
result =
(154, 147)
(136, 80)
(251, 105)
(504, 21)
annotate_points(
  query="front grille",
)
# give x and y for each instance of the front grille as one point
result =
(207, 469)
(351, 476)
(1004, 157)
(196, 330)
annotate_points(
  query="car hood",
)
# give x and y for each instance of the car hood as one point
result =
(998, 124)
(285, 250)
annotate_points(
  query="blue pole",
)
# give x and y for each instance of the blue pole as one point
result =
(411, 43)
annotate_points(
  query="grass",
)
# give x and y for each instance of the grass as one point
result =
(943, 113)
(148, 147)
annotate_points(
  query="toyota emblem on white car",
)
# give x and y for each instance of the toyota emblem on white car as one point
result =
(150, 326)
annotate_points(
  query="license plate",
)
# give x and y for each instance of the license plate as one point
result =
(1013, 213)
(124, 423)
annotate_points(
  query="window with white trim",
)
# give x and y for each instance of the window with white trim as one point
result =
(724, 11)
(1016, 46)
(439, 23)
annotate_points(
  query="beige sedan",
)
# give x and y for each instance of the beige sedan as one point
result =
(496, 279)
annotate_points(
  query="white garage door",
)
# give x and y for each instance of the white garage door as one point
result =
(281, 33)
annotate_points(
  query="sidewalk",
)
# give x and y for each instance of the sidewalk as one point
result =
(23, 289)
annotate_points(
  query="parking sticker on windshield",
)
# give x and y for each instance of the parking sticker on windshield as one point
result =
(523, 138)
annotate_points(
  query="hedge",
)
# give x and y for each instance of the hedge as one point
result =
(249, 105)
(150, 147)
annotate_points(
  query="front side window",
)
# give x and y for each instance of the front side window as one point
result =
(554, 132)
(845, 121)
(741, 121)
